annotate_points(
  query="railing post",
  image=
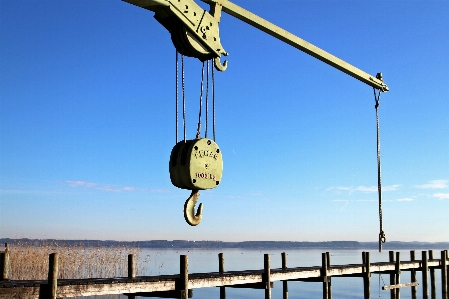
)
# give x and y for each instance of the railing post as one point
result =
(397, 269)
(413, 275)
(433, 285)
(447, 273)
(444, 285)
(329, 279)
(366, 275)
(221, 269)
(425, 279)
(267, 278)
(4, 265)
(327, 293)
(131, 271)
(53, 275)
(284, 283)
(392, 275)
(183, 287)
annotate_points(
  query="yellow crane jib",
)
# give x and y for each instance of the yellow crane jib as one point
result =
(195, 33)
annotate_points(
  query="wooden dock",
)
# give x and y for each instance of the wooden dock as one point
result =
(182, 285)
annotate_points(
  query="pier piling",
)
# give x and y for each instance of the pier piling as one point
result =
(267, 276)
(366, 275)
(425, 278)
(413, 275)
(392, 276)
(221, 269)
(284, 282)
(53, 270)
(444, 285)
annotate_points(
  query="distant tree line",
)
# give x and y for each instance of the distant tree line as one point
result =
(177, 244)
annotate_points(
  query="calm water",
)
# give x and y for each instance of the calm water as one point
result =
(159, 262)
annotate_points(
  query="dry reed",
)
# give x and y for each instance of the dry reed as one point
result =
(29, 261)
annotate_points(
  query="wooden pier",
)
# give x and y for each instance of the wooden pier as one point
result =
(182, 285)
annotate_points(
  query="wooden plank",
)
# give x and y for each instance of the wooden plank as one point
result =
(401, 285)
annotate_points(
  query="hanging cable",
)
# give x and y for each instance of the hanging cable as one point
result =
(213, 101)
(183, 98)
(198, 130)
(207, 97)
(382, 237)
(177, 100)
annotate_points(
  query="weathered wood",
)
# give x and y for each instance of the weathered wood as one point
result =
(425, 281)
(267, 276)
(131, 273)
(256, 286)
(392, 275)
(367, 275)
(329, 280)
(401, 285)
(444, 285)
(433, 284)
(327, 291)
(149, 284)
(413, 275)
(165, 294)
(184, 277)
(447, 273)
(284, 283)
(397, 271)
(4, 265)
(53, 275)
(221, 269)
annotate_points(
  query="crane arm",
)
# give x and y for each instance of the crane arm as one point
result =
(291, 39)
(195, 33)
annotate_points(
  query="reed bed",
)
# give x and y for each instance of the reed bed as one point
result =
(29, 261)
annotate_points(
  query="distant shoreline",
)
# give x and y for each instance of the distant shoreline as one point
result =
(180, 244)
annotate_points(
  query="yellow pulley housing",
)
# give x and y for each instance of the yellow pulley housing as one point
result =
(196, 164)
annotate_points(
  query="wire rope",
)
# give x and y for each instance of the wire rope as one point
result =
(213, 101)
(177, 96)
(183, 99)
(207, 97)
(198, 131)
(382, 237)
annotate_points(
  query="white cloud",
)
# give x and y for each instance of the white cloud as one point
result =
(110, 188)
(436, 184)
(365, 189)
(441, 196)
(405, 199)
(81, 183)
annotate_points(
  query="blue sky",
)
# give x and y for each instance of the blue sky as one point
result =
(87, 123)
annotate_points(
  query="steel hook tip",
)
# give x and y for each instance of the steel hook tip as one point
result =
(220, 67)
(189, 209)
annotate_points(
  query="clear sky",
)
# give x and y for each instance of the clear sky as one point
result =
(87, 123)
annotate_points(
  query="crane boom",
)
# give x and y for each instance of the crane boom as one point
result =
(202, 36)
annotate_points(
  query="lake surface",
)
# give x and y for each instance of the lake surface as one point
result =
(163, 261)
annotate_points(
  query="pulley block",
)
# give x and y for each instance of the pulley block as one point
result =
(196, 164)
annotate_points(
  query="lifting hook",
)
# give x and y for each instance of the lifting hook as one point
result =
(189, 209)
(217, 63)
